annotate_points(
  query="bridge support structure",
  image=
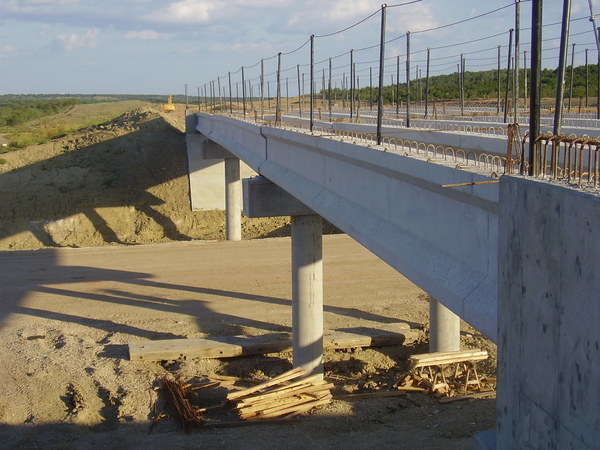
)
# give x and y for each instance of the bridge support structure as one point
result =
(262, 198)
(233, 200)
(444, 328)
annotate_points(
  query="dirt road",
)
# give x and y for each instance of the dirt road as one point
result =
(67, 315)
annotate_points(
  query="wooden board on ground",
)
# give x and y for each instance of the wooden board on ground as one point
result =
(232, 346)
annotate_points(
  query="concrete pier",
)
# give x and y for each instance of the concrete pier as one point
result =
(307, 293)
(262, 198)
(444, 328)
(233, 198)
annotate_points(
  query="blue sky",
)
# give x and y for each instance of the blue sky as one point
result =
(158, 46)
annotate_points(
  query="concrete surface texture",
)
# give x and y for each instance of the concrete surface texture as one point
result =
(393, 205)
(549, 316)
(207, 168)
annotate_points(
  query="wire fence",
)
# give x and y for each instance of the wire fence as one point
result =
(350, 80)
(366, 85)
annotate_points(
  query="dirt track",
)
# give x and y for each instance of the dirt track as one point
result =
(67, 315)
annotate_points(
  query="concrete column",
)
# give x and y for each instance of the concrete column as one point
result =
(444, 328)
(233, 200)
(307, 293)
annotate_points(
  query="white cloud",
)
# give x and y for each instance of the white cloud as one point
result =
(244, 47)
(7, 51)
(186, 12)
(332, 15)
(74, 41)
(33, 6)
(147, 35)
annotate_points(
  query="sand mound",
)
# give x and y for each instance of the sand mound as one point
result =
(123, 182)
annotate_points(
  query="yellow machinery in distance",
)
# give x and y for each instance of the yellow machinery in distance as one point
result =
(169, 106)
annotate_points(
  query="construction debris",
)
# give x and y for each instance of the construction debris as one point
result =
(185, 411)
(282, 397)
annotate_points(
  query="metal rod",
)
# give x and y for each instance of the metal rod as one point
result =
(525, 78)
(572, 76)
(351, 83)
(381, 73)
(499, 84)
(535, 90)
(243, 92)
(517, 54)
(287, 95)
(397, 86)
(230, 101)
(461, 84)
(262, 89)
(357, 93)
(408, 79)
(329, 91)
(562, 59)
(199, 105)
(510, 37)
(186, 96)
(427, 85)
(299, 92)
(278, 104)
(219, 87)
(418, 80)
(598, 77)
(587, 78)
(303, 84)
(371, 88)
(312, 80)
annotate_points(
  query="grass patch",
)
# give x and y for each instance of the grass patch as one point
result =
(53, 126)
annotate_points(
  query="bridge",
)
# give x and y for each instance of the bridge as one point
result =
(514, 257)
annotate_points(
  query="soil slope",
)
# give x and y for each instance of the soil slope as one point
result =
(124, 182)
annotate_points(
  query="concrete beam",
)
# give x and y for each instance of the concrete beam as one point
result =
(263, 198)
(307, 293)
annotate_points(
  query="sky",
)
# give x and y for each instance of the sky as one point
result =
(160, 46)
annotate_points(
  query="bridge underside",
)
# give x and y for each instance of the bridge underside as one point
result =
(444, 239)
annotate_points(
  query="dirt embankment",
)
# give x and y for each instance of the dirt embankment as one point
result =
(124, 182)
(67, 316)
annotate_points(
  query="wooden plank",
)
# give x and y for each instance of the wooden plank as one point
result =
(264, 403)
(289, 375)
(233, 346)
(283, 393)
(430, 359)
(378, 394)
(483, 394)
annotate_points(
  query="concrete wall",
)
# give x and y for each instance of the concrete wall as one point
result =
(548, 317)
(207, 176)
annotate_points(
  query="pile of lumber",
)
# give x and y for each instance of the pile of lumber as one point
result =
(447, 373)
(285, 396)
